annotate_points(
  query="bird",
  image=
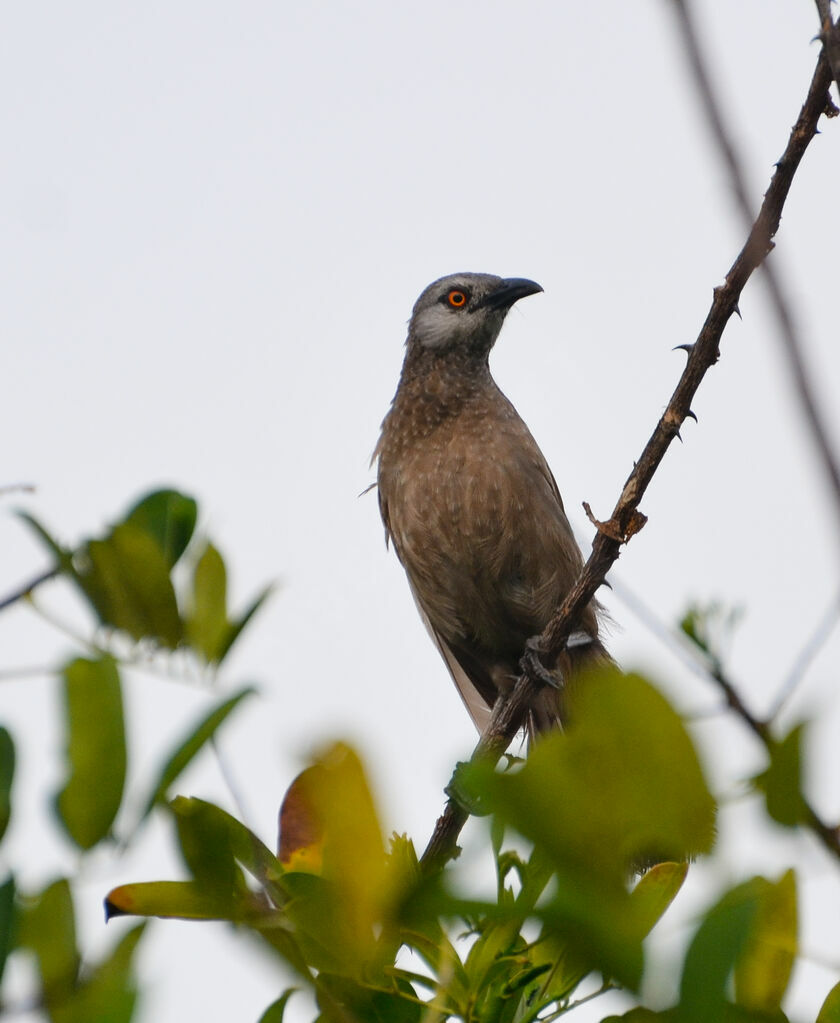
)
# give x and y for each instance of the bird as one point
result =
(470, 504)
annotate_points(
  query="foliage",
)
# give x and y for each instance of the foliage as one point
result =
(127, 578)
(591, 838)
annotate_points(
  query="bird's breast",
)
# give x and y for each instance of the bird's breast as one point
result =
(462, 500)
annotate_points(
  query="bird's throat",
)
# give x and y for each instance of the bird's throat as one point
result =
(438, 385)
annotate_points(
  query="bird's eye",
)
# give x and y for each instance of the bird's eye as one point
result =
(457, 299)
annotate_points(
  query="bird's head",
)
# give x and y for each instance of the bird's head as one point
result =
(465, 311)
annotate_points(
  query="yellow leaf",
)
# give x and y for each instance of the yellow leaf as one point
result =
(764, 966)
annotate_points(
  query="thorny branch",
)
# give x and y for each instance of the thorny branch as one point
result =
(791, 343)
(509, 713)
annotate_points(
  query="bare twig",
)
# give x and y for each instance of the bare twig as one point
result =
(17, 488)
(809, 651)
(699, 663)
(26, 590)
(828, 835)
(674, 638)
(509, 712)
(782, 308)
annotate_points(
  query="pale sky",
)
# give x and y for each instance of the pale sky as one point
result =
(216, 219)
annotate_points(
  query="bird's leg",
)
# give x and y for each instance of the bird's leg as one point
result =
(532, 665)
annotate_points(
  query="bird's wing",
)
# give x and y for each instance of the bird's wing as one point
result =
(383, 511)
(477, 707)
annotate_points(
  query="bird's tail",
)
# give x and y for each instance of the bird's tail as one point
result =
(549, 708)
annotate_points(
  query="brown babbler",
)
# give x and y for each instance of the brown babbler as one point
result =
(470, 504)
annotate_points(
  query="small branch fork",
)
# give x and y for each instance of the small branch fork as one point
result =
(509, 712)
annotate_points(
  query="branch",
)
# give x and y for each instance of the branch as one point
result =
(26, 590)
(830, 38)
(829, 836)
(509, 712)
(809, 651)
(790, 341)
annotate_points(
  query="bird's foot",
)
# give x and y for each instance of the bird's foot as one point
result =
(532, 665)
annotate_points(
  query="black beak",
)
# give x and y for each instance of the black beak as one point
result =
(509, 291)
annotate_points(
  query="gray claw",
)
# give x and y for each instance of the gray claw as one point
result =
(534, 668)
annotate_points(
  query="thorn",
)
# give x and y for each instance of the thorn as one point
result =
(684, 348)
(678, 435)
(737, 310)
(691, 415)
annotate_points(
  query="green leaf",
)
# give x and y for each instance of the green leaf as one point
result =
(126, 579)
(488, 952)
(214, 844)
(317, 922)
(194, 900)
(655, 891)
(247, 849)
(714, 951)
(565, 966)
(341, 998)
(207, 848)
(442, 959)
(329, 814)
(96, 753)
(275, 1012)
(207, 626)
(353, 847)
(622, 786)
(7, 773)
(125, 576)
(181, 900)
(711, 627)
(63, 555)
(236, 627)
(169, 518)
(8, 918)
(48, 928)
(781, 783)
(468, 796)
(830, 1011)
(190, 746)
(763, 970)
(108, 993)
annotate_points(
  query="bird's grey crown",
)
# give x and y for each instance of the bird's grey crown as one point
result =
(435, 323)
(475, 284)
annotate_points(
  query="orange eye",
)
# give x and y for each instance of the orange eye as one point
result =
(456, 299)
